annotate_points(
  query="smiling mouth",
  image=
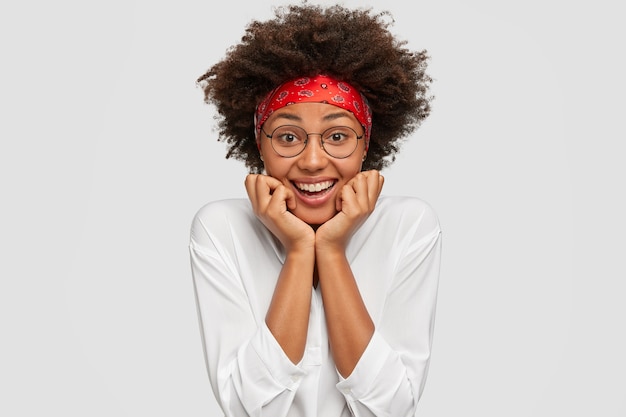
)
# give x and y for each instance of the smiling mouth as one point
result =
(313, 189)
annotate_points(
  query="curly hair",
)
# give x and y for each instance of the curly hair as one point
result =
(355, 46)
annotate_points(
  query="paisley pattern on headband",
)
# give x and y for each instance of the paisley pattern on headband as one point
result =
(319, 89)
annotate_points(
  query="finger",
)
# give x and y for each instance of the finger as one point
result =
(349, 198)
(381, 182)
(250, 184)
(249, 181)
(374, 186)
(272, 183)
(290, 199)
(264, 188)
(374, 183)
(338, 202)
(282, 199)
(360, 185)
(351, 192)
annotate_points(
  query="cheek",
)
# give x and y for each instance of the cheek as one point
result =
(357, 159)
(275, 166)
(266, 154)
(351, 167)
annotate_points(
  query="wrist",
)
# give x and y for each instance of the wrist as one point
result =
(328, 250)
(301, 251)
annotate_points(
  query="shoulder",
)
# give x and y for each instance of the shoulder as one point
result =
(224, 209)
(404, 211)
(400, 220)
(221, 219)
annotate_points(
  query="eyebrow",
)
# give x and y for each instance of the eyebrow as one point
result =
(328, 117)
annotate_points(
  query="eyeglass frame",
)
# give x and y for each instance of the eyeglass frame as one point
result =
(306, 142)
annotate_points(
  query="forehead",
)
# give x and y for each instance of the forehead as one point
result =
(311, 112)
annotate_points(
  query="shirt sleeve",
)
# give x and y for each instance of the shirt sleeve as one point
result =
(389, 378)
(250, 374)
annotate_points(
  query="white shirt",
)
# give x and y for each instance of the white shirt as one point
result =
(235, 263)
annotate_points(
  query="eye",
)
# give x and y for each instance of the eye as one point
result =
(285, 136)
(338, 135)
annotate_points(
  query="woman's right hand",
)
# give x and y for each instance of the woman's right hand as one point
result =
(271, 201)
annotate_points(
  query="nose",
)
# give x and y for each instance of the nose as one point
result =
(313, 157)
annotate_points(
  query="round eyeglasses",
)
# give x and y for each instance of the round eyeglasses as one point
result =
(289, 141)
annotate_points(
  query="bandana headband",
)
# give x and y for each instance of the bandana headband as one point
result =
(319, 89)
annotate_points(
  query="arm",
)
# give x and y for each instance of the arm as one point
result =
(384, 374)
(390, 375)
(350, 327)
(249, 371)
(288, 314)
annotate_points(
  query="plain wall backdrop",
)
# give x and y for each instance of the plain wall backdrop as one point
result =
(107, 151)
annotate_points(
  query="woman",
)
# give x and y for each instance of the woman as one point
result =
(316, 295)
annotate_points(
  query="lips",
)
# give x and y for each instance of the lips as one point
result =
(316, 187)
(314, 194)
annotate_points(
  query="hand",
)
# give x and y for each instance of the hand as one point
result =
(271, 201)
(355, 202)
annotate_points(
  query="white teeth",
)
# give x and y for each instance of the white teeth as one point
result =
(314, 188)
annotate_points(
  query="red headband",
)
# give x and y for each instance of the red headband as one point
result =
(319, 89)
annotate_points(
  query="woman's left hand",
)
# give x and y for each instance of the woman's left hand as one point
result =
(355, 203)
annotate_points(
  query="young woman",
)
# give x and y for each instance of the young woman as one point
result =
(316, 295)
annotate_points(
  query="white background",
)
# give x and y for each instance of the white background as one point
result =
(107, 150)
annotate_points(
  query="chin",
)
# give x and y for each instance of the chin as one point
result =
(315, 218)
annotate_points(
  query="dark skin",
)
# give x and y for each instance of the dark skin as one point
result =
(354, 46)
(315, 240)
